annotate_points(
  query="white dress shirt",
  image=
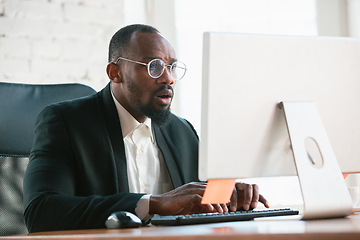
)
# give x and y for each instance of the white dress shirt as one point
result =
(146, 168)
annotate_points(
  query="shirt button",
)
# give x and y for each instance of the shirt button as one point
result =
(141, 152)
(143, 186)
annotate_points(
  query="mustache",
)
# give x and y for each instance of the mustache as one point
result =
(162, 88)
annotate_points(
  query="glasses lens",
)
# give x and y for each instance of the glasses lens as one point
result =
(156, 68)
(178, 70)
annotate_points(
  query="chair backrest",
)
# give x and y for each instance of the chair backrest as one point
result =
(20, 105)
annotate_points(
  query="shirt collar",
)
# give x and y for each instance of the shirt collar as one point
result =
(127, 121)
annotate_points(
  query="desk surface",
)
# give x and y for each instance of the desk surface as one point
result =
(270, 228)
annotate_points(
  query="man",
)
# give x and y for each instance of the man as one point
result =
(101, 154)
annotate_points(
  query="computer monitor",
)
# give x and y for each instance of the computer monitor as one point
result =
(244, 132)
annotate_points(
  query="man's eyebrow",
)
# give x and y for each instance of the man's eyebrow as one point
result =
(148, 57)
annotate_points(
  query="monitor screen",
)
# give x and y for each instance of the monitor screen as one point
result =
(245, 77)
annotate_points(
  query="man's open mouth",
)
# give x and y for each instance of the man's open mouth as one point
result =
(166, 93)
(164, 96)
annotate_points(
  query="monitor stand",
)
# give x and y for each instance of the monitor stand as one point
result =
(323, 188)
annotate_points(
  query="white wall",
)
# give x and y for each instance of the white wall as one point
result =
(57, 41)
(60, 41)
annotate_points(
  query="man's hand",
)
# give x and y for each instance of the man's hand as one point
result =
(187, 199)
(183, 200)
(246, 196)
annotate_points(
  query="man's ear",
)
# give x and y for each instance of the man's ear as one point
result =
(113, 73)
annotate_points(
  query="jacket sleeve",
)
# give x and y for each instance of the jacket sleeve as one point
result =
(51, 199)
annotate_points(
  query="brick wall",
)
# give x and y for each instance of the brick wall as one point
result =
(57, 41)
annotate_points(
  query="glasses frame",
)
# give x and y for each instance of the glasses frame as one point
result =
(148, 66)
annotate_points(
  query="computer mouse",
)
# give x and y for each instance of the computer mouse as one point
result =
(122, 219)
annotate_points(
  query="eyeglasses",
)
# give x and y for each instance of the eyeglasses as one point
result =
(156, 68)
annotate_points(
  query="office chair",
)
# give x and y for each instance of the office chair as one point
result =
(19, 106)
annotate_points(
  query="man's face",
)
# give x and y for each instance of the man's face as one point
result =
(140, 94)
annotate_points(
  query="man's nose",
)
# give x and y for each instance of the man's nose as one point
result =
(166, 78)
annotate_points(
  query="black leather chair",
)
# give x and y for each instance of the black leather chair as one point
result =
(19, 106)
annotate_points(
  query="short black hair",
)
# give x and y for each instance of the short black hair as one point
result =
(120, 41)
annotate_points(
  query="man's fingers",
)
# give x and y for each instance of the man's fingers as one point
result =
(233, 201)
(217, 208)
(255, 197)
(220, 207)
(264, 201)
(224, 207)
(247, 195)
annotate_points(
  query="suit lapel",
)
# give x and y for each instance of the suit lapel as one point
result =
(115, 134)
(169, 158)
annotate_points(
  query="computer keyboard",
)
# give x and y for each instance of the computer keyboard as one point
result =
(219, 217)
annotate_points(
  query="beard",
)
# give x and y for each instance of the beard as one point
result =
(162, 116)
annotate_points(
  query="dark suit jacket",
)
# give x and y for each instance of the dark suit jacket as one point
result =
(77, 173)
